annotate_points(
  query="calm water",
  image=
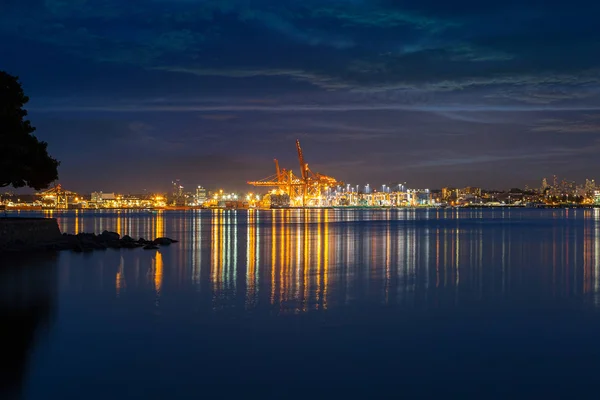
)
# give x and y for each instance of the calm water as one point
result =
(320, 303)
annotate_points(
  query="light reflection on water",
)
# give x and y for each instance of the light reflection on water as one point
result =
(294, 261)
(321, 298)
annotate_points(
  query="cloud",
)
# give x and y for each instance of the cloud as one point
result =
(358, 15)
(588, 124)
(444, 108)
(357, 81)
(473, 117)
(469, 52)
(333, 136)
(138, 127)
(219, 117)
(547, 94)
(491, 158)
(322, 81)
(312, 37)
(356, 46)
(348, 127)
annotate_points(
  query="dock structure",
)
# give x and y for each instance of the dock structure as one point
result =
(56, 197)
(308, 189)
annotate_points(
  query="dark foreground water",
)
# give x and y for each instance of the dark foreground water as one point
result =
(319, 304)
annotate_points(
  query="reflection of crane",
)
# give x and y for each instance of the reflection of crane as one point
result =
(307, 189)
(58, 195)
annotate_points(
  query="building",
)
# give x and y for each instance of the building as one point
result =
(449, 194)
(200, 196)
(99, 197)
(471, 191)
(420, 197)
(178, 198)
(589, 187)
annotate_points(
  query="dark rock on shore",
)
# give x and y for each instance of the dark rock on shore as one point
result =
(18, 235)
(110, 235)
(87, 242)
(164, 241)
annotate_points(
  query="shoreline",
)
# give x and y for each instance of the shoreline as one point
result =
(32, 235)
(427, 207)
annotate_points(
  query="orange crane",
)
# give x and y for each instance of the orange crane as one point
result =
(278, 171)
(58, 195)
(304, 190)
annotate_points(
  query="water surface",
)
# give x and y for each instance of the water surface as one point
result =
(345, 302)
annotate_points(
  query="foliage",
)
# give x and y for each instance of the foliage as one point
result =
(24, 160)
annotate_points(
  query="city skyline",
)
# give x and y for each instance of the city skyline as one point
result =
(553, 182)
(212, 91)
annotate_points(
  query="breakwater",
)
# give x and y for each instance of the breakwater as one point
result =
(28, 232)
(43, 234)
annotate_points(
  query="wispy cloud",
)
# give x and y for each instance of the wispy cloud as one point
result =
(490, 158)
(391, 81)
(141, 107)
(333, 136)
(547, 94)
(323, 81)
(219, 117)
(347, 127)
(472, 117)
(588, 124)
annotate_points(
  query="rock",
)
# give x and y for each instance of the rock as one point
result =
(86, 242)
(164, 241)
(110, 235)
(93, 244)
(130, 245)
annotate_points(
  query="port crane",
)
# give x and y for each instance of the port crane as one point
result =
(58, 195)
(303, 190)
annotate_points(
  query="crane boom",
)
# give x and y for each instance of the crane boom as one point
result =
(278, 171)
(301, 160)
(308, 188)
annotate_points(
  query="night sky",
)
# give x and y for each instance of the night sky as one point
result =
(134, 94)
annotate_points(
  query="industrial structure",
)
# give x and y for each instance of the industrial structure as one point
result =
(308, 189)
(56, 197)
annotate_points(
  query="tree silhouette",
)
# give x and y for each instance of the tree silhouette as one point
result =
(24, 160)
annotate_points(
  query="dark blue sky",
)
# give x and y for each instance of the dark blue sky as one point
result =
(133, 94)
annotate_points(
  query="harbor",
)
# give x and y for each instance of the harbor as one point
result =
(308, 189)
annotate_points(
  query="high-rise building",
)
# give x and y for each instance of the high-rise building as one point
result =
(178, 197)
(449, 194)
(590, 187)
(200, 196)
